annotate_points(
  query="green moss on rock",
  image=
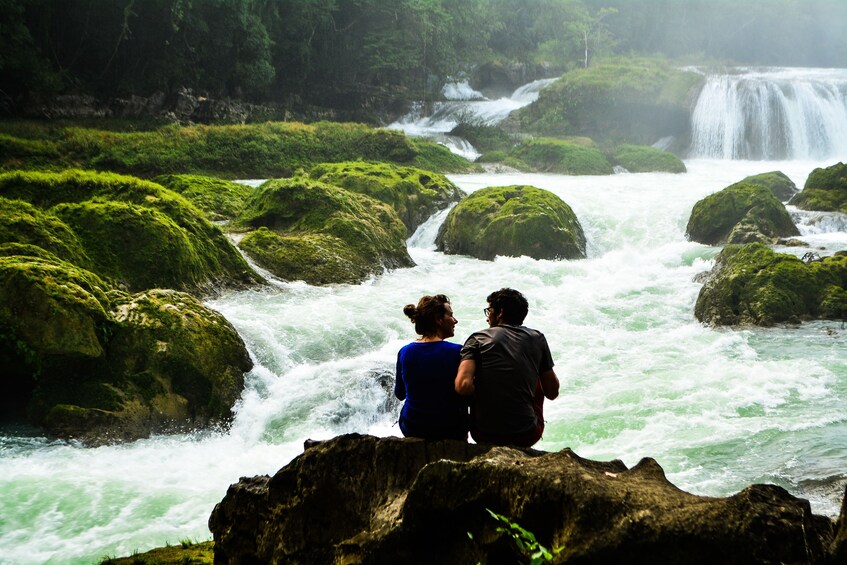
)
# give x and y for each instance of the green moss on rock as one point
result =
(562, 157)
(21, 222)
(751, 284)
(645, 159)
(313, 218)
(512, 221)
(219, 199)
(825, 190)
(199, 252)
(414, 194)
(740, 213)
(777, 182)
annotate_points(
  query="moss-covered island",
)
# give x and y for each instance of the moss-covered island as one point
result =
(512, 221)
(741, 213)
(414, 194)
(825, 190)
(645, 159)
(261, 150)
(636, 100)
(304, 229)
(753, 285)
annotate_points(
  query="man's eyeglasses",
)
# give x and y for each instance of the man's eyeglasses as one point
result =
(486, 311)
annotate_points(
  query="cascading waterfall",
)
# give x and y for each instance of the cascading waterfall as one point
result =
(772, 114)
(463, 104)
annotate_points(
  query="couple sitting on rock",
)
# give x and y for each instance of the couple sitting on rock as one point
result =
(505, 370)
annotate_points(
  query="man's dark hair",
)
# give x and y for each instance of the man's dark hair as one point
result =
(512, 303)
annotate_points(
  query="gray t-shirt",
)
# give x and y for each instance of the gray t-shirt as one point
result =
(509, 360)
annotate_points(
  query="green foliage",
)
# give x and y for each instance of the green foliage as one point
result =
(741, 213)
(751, 284)
(562, 157)
(512, 221)
(645, 159)
(186, 553)
(525, 540)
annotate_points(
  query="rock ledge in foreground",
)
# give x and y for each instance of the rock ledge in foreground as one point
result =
(361, 499)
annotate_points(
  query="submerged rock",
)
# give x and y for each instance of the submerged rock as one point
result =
(312, 231)
(360, 499)
(741, 213)
(752, 284)
(414, 194)
(512, 221)
(825, 190)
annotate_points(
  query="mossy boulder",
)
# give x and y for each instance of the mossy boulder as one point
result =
(753, 285)
(635, 100)
(219, 199)
(825, 190)
(777, 182)
(321, 233)
(134, 232)
(645, 159)
(573, 157)
(512, 221)
(21, 222)
(741, 213)
(414, 194)
(85, 361)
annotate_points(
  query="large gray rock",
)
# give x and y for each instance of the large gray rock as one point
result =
(361, 499)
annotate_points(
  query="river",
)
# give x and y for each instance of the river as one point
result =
(717, 408)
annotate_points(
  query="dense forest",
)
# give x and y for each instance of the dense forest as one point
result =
(350, 53)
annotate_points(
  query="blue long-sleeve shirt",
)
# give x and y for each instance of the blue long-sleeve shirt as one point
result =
(432, 409)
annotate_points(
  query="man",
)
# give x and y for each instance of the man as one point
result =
(508, 370)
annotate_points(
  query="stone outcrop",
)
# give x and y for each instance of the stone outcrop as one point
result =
(825, 190)
(512, 221)
(744, 212)
(322, 234)
(753, 285)
(359, 499)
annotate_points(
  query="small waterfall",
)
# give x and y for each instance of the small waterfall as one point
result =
(465, 105)
(772, 114)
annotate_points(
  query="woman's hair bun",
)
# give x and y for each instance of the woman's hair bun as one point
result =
(410, 310)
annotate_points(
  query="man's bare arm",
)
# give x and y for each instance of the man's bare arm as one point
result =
(549, 383)
(464, 377)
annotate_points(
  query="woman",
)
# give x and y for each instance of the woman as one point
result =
(426, 371)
